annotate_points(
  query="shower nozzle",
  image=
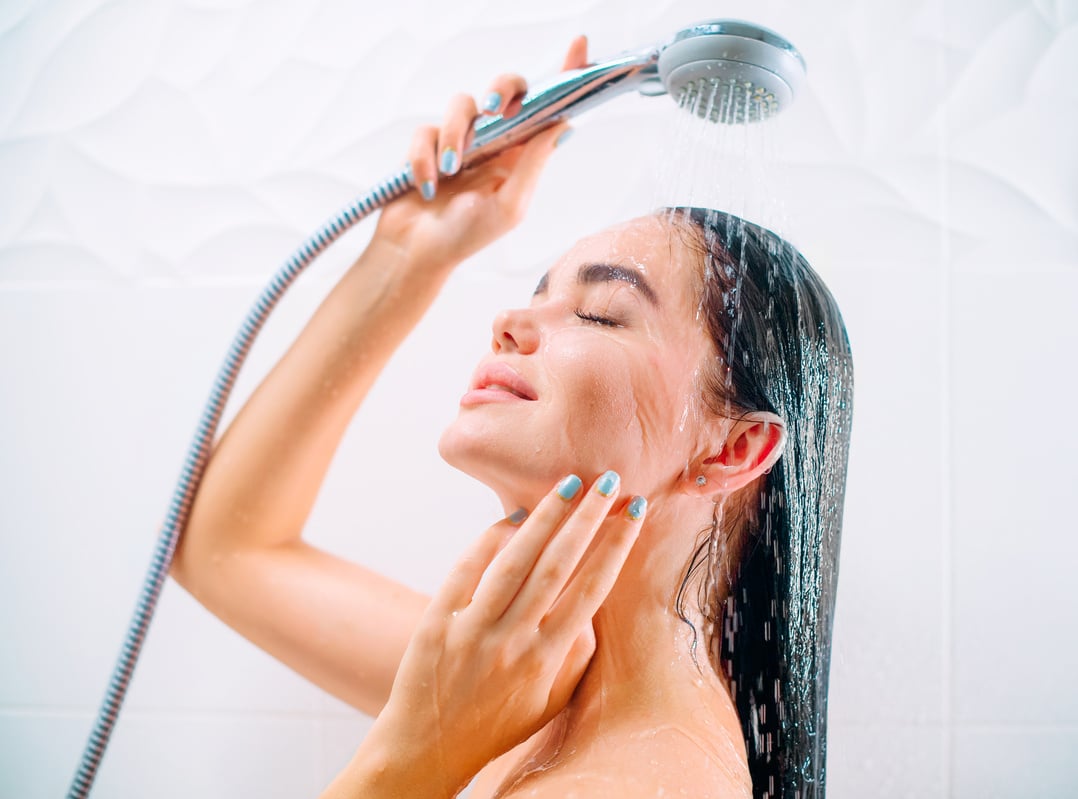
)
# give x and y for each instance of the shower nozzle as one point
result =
(724, 70)
(731, 71)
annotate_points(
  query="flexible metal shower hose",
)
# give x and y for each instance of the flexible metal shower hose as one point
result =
(195, 463)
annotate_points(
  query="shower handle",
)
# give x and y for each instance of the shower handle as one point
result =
(563, 98)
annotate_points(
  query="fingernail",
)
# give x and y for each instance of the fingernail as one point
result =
(427, 190)
(493, 102)
(568, 487)
(408, 173)
(607, 484)
(518, 516)
(637, 507)
(450, 161)
(564, 137)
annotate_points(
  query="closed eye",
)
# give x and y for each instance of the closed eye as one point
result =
(606, 321)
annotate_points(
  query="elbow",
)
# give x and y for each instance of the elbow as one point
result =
(181, 569)
(193, 561)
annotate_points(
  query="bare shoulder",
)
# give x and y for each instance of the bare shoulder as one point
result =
(663, 761)
(624, 786)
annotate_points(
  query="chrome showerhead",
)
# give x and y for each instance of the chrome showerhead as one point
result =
(731, 71)
(723, 70)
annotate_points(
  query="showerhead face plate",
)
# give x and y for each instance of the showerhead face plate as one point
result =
(731, 71)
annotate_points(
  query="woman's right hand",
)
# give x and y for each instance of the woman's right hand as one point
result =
(468, 209)
(501, 647)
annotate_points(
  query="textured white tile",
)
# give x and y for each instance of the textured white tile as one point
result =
(340, 738)
(415, 398)
(24, 165)
(157, 134)
(195, 42)
(867, 218)
(39, 754)
(178, 756)
(30, 36)
(96, 66)
(212, 757)
(987, 74)
(885, 761)
(998, 226)
(193, 662)
(888, 641)
(871, 71)
(108, 386)
(1014, 537)
(1002, 763)
(1011, 115)
(13, 14)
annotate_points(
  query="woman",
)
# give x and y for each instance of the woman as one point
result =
(666, 426)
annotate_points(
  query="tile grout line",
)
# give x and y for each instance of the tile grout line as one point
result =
(182, 714)
(947, 439)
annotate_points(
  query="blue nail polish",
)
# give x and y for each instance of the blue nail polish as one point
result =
(450, 161)
(568, 487)
(564, 137)
(637, 507)
(607, 484)
(493, 102)
(518, 516)
(427, 190)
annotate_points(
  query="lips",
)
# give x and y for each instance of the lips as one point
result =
(497, 377)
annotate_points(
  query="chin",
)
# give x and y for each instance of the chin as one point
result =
(468, 452)
(509, 469)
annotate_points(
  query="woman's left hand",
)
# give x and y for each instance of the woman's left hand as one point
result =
(501, 647)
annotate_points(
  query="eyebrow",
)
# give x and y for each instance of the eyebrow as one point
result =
(605, 273)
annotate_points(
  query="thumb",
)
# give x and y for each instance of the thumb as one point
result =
(459, 586)
(572, 669)
(520, 184)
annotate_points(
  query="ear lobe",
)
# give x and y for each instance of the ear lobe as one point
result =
(754, 444)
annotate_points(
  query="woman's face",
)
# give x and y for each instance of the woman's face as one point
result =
(602, 370)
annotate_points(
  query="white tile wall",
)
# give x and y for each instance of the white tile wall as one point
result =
(1016, 761)
(896, 761)
(158, 160)
(894, 531)
(1015, 547)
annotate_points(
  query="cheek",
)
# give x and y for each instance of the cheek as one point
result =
(618, 400)
(591, 381)
(667, 402)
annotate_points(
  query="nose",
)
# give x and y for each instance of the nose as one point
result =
(515, 331)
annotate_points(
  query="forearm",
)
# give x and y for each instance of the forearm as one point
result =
(265, 471)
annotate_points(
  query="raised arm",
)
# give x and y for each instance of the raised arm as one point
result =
(337, 623)
(242, 555)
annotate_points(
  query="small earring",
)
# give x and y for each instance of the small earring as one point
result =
(701, 481)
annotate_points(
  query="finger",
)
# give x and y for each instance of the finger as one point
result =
(589, 587)
(456, 133)
(561, 556)
(577, 57)
(508, 571)
(421, 157)
(460, 585)
(503, 91)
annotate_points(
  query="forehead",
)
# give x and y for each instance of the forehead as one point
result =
(648, 244)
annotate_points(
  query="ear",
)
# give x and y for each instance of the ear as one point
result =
(752, 445)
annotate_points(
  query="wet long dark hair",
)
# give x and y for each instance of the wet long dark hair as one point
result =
(765, 574)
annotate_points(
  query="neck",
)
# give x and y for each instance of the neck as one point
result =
(643, 674)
